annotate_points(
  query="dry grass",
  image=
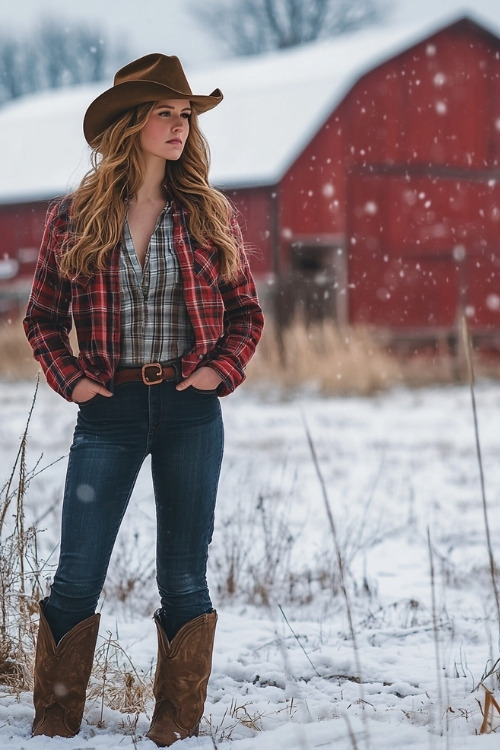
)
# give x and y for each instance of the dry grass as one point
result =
(20, 575)
(241, 714)
(353, 361)
(16, 362)
(334, 360)
(255, 558)
(117, 683)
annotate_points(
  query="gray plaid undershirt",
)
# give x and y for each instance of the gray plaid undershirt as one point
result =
(155, 325)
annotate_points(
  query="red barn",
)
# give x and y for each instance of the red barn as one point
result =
(42, 157)
(366, 170)
(20, 231)
(390, 215)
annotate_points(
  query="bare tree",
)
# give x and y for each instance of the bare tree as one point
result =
(70, 54)
(55, 54)
(12, 82)
(250, 27)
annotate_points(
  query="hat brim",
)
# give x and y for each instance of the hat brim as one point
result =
(112, 103)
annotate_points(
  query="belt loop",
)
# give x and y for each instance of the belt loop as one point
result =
(177, 365)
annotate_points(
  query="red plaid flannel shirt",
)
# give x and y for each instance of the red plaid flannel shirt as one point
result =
(226, 317)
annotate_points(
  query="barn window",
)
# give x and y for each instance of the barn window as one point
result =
(318, 278)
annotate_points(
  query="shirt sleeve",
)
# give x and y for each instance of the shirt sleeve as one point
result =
(48, 316)
(243, 324)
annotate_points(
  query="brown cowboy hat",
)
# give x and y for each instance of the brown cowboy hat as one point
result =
(147, 79)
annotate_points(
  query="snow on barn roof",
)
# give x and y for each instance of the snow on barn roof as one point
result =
(273, 106)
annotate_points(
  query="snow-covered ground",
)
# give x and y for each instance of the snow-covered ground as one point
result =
(403, 487)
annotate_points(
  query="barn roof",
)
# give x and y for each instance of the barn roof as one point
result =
(273, 106)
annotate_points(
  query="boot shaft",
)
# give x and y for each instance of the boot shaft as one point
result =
(62, 673)
(182, 673)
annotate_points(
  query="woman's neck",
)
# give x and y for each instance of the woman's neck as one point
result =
(149, 194)
(151, 189)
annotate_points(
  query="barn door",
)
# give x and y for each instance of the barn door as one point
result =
(423, 251)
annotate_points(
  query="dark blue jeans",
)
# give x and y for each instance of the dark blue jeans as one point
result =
(183, 432)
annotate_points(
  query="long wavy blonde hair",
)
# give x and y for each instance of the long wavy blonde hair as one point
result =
(98, 205)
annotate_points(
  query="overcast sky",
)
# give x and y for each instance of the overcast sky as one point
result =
(167, 26)
(145, 25)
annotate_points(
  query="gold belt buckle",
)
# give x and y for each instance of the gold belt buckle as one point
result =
(154, 377)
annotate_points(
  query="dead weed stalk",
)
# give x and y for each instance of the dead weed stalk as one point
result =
(256, 557)
(468, 353)
(20, 572)
(241, 714)
(490, 704)
(341, 567)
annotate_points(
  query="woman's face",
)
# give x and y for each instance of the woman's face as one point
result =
(166, 130)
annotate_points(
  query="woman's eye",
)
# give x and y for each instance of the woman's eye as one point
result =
(168, 113)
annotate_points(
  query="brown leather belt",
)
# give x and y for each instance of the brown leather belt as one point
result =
(151, 374)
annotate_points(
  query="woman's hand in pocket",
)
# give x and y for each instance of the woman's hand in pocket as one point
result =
(85, 389)
(204, 379)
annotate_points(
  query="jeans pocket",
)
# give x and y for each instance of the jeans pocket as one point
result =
(204, 391)
(90, 401)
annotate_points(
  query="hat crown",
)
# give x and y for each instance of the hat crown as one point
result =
(151, 78)
(165, 70)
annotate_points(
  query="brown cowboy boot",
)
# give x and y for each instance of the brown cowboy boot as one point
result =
(180, 685)
(62, 674)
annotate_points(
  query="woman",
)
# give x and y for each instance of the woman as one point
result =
(147, 259)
